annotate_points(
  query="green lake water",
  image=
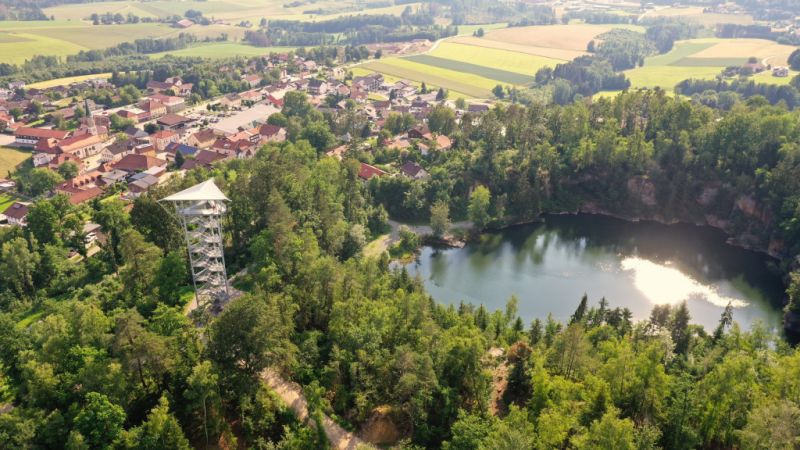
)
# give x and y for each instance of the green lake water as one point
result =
(550, 265)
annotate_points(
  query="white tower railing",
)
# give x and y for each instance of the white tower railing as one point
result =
(200, 209)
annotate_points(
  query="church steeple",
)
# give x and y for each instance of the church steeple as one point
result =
(90, 125)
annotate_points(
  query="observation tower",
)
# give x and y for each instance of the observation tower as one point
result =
(200, 209)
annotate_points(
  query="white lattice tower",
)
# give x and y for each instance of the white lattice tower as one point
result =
(200, 209)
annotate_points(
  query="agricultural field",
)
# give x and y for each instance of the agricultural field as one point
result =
(506, 56)
(66, 81)
(572, 38)
(473, 86)
(71, 32)
(222, 50)
(696, 14)
(232, 11)
(706, 58)
(10, 158)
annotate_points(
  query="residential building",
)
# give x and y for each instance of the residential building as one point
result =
(139, 163)
(28, 137)
(202, 139)
(317, 86)
(17, 213)
(413, 170)
(160, 139)
(366, 171)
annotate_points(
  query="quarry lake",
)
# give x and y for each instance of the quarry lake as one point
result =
(550, 265)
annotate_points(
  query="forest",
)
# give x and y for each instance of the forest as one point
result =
(98, 353)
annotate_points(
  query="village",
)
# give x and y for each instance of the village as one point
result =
(127, 150)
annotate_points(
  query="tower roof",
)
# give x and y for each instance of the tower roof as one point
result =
(206, 190)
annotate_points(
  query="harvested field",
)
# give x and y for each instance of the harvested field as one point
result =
(737, 48)
(569, 37)
(464, 67)
(67, 80)
(552, 53)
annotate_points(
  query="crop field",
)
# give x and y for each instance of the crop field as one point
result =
(696, 14)
(666, 77)
(705, 59)
(471, 85)
(71, 32)
(505, 60)
(467, 30)
(10, 158)
(67, 80)
(474, 69)
(222, 50)
(545, 52)
(573, 37)
(25, 45)
(229, 10)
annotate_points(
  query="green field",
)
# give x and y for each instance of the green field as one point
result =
(467, 30)
(222, 50)
(10, 158)
(474, 69)
(667, 77)
(705, 59)
(511, 61)
(29, 45)
(470, 69)
(469, 84)
(363, 70)
(710, 62)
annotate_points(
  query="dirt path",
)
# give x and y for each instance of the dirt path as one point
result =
(292, 394)
(499, 382)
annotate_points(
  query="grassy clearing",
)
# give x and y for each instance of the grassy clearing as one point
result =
(503, 76)
(5, 201)
(222, 50)
(29, 319)
(471, 85)
(767, 78)
(376, 248)
(10, 158)
(67, 80)
(510, 61)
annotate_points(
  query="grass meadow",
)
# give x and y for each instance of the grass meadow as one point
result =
(10, 158)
